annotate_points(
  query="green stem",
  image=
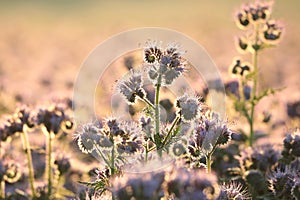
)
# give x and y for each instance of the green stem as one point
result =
(170, 131)
(146, 151)
(254, 89)
(148, 102)
(208, 163)
(208, 158)
(113, 160)
(2, 190)
(102, 156)
(157, 114)
(27, 149)
(49, 161)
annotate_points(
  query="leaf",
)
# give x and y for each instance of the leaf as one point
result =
(266, 93)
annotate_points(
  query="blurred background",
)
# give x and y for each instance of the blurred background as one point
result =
(43, 43)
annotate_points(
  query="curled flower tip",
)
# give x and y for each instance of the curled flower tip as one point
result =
(272, 31)
(259, 11)
(178, 148)
(239, 68)
(188, 108)
(12, 172)
(169, 66)
(25, 116)
(172, 56)
(283, 183)
(131, 87)
(63, 164)
(225, 135)
(87, 137)
(242, 44)
(242, 18)
(132, 141)
(52, 118)
(152, 52)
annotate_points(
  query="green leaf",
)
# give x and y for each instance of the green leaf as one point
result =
(265, 93)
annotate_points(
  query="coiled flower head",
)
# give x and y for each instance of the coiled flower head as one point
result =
(54, 118)
(239, 68)
(16, 122)
(272, 31)
(253, 13)
(263, 158)
(152, 52)
(283, 182)
(291, 144)
(110, 135)
(210, 131)
(188, 108)
(182, 183)
(164, 64)
(136, 186)
(131, 87)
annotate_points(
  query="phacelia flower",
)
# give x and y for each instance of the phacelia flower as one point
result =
(233, 190)
(263, 158)
(53, 118)
(137, 186)
(185, 184)
(293, 109)
(291, 144)
(283, 182)
(242, 44)
(168, 66)
(259, 11)
(131, 87)
(152, 52)
(243, 18)
(232, 88)
(272, 31)
(210, 132)
(16, 123)
(239, 68)
(253, 13)
(63, 164)
(178, 148)
(12, 172)
(89, 136)
(188, 108)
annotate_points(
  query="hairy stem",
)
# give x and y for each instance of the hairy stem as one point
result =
(102, 156)
(2, 189)
(164, 142)
(148, 102)
(113, 160)
(254, 89)
(208, 163)
(49, 141)
(157, 114)
(27, 150)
